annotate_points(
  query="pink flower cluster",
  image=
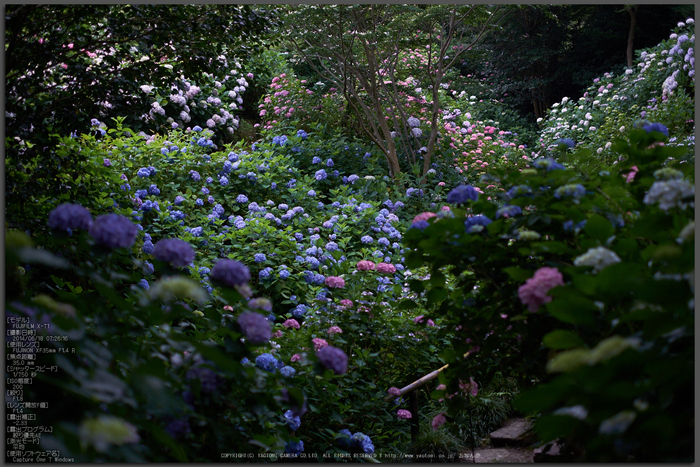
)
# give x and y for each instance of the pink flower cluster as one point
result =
(365, 265)
(423, 216)
(347, 303)
(438, 421)
(334, 330)
(533, 292)
(403, 413)
(471, 387)
(296, 357)
(419, 320)
(394, 391)
(335, 282)
(386, 268)
(319, 343)
(291, 323)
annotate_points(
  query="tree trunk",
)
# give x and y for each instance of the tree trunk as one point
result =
(630, 39)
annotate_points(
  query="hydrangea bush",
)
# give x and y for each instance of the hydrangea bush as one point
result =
(586, 291)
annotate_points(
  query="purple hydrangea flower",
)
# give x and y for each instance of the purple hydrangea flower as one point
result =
(242, 199)
(143, 172)
(70, 216)
(321, 175)
(174, 251)
(208, 380)
(113, 231)
(195, 175)
(230, 272)
(255, 327)
(260, 257)
(334, 359)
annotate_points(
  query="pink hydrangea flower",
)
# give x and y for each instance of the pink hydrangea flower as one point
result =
(334, 330)
(386, 268)
(630, 176)
(335, 282)
(418, 319)
(347, 303)
(296, 357)
(277, 333)
(446, 208)
(319, 343)
(471, 387)
(423, 216)
(291, 323)
(441, 387)
(533, 292)
(438, 421)
(228, 308)
(365, 265)
(394, 391)
(403, 413)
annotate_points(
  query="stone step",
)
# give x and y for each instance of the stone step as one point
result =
(513, 433)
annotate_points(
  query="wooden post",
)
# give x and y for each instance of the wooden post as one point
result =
(413, 406)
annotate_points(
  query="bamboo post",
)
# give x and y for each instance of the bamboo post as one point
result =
(416, 384)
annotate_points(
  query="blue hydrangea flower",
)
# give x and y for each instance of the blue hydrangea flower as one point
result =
(331, 246)
(548, 163)
(284, 273)
(147, 268)
(462, 194)
(520, 190)
(474, 221)
(197, 128)
(383, 241)
(656, 127)
(143, 172)
(321, 175)
(293, 422)
(242, 199)
(398, 205)
(141, 194)
(143, 283)
(266, 362)
(411, 191)
(575, 191)
(299, 310)
(329, 162)
(178, 200)
(153, 190)
(260, 257)
(566, 142)
(508, 211)
(223, 180)
(311, 193)
(195, 175)
(316, 160)
(265, 273)
(421, 225)
(366, 239)
(293, 447)
(302, 134)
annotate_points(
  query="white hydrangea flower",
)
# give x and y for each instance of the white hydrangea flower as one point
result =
(146, 88)
(413, 122)
(577, 411)
(417, 132)
(669, 193)
(599, 257)
(617, 424)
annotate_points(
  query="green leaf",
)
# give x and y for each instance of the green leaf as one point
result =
(561, 339)
(518, 274)
(599, 228)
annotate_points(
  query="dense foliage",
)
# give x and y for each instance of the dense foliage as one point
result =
(201, 295)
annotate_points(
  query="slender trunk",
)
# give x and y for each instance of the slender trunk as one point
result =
(630, 38)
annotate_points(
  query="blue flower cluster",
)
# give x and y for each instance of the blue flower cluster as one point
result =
(575, 191)
(548, 163)
(268, 363)
(462, 194)
(347, 440)
(474, 221)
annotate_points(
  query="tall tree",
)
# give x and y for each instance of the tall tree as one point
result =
(357, 47)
